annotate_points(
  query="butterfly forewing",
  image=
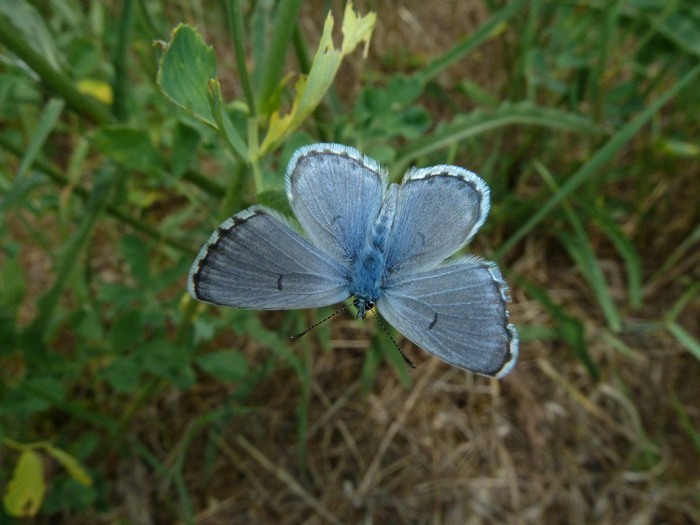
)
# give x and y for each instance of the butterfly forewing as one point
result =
(438, 210)
(456, 312)
(256, 260)
(385, 247)
(336, 193)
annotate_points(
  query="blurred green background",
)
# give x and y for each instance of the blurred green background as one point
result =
(126, 138)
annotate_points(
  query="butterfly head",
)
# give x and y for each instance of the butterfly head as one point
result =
(363, 305)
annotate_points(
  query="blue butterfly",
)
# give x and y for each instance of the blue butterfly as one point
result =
(384, 245)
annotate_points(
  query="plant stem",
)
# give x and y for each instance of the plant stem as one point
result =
(235, 25)
(56, 81)
(120, 59)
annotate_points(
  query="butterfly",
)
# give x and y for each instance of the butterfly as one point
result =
(385, 245)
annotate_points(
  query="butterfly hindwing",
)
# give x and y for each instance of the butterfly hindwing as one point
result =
(386, 247)
(256, 260)
(438, 210)
(456, 312)
(336, 194)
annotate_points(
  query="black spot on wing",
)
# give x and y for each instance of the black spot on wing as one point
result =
(279, 283)
(433, 322)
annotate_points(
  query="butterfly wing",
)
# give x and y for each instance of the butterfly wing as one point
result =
(456, 312)
(256, 260)
(438, 210)
(336, 193)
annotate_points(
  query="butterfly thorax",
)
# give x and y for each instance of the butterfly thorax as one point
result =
(365, 279)
(369, 268)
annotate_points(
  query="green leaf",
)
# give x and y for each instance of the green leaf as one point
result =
(126, 332)
(130, 147)
(184, 150)
(168, 361)
(185, 71)
(227, 365)
(27, 488)
(123, 375)
(136, 254)
(71, 464)
(309, 91)
(223, 121)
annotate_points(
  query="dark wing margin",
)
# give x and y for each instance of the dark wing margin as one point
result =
(336, 194)
(256, 260)
(457, 312)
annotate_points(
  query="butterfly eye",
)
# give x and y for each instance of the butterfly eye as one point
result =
(369, 305)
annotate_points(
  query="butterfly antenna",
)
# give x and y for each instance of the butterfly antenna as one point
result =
(297, 336)
(386, 330)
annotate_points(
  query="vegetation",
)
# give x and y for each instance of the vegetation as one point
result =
(131, 129)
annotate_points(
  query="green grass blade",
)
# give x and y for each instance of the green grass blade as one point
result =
(579, 248)
(690, 294)
(569, 328)
(598, 160)
(628, 252)
(231, 137)
(465, 126)
(276, 53)
(485, 32)
(47, 121)
(679, 253)
(684, 338)
(120, 61)
(686, 422)
(235, 24)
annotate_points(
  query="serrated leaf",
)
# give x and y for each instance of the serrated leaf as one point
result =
(27, 488)
(185, 71)
(71, 464)
(309, 91)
